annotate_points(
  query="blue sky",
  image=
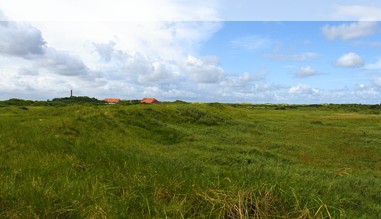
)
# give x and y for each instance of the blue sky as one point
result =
(280, 47)
(208, 51)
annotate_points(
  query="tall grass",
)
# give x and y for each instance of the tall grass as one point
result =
(181, 160)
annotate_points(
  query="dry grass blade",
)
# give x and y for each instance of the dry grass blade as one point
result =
(343, 171)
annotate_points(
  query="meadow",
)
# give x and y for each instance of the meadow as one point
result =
(183, 160)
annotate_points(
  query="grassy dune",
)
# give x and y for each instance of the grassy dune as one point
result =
(179, 160)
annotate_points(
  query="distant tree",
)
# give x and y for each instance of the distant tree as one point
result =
(75, 99)
(17, 102)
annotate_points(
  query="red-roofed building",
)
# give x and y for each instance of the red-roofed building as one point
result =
(112, 100)
(149, 100)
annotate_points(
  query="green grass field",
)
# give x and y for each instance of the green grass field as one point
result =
(180, 160)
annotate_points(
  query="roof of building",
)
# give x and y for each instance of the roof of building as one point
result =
(149, 100)
(112, 100)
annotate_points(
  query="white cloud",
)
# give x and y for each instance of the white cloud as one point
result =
(306, 71)
(105, 50)
(3, 18)
(135, 64)
(302, 89)
(244, 79)
(62, 63)
(369, 94)
(161, 72)
(258, 93)
(204, 71)
(292, 57)
(374, 66)
(260, 75)
(349, 31)
(351, 60)
(25, 81)
(377, 81)
(136, 67)
(20, 39)
(370, 44)
(170, 93)
(366, 92)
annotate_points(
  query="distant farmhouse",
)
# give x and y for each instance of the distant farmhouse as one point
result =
(149, 100)
(112, 100)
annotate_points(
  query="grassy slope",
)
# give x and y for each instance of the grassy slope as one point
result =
(188, 160)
